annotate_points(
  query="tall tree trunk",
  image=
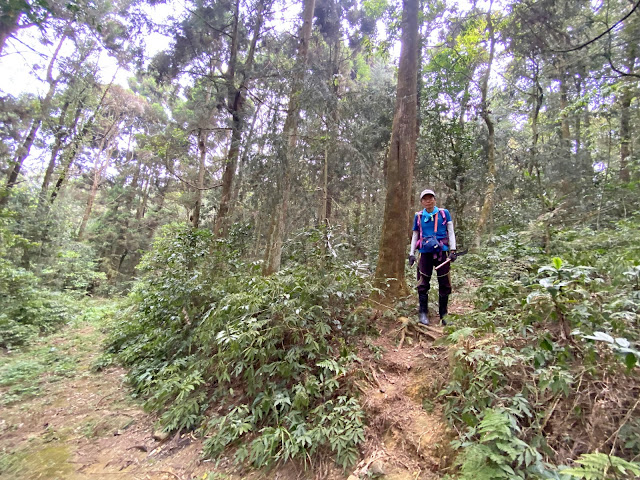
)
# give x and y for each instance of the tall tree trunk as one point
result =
(70, 155)
(202, 148)
(485, 211)
(330, 149)
(457, 182)
(61, 136)
(273, 254)
(534, 164)
(625, 133)
(565, 131)
(99, 167)
(322, 187)
(586, 139)
(55, 150)
(628, 94)
(400, 161)
(237, 193)
(121, 245)
(357, 221)
(236, 100)
(142, 207)
(538, 98)
(578, 119)
(25, 148)
(332, 157)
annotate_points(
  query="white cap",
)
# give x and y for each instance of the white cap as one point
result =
(427, 192)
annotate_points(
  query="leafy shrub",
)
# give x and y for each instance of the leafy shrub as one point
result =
(73, 269)
(26, 309)
(517, 381)
(256, 363)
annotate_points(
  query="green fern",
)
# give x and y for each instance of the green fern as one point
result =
(600, 466)
(497, 452)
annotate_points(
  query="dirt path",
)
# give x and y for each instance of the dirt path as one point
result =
(406, 438)
(61, 420)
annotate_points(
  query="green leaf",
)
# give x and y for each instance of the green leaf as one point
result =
(545, 344)
(469, 419)
(630, 360)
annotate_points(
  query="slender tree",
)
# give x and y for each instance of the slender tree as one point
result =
(237, 89)
(487, 204)
(287, 153)
(400, 160)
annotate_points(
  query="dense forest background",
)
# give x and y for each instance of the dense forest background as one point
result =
(524, 115)
(253, 180)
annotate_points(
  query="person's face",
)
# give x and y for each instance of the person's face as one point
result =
(428, 202)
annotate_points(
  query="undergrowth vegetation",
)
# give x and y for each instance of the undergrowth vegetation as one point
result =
(255, 364)
(27, 307)
(544, 370)
(26, 372)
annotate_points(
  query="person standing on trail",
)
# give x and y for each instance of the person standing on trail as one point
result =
(435, 240)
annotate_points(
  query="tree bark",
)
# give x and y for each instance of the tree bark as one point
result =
(332, 154)
(625, 133)
(70, 155)
(487, 205)
(324, 193)
(61, 136)
(142, 207)
(538, 98)
(565, 132)
(236, 100)
(99, 169)
(121, 245)
(237, 193)
(401, 157)
(202, 148)
(628, 94)
(273, 254)
(55, 150)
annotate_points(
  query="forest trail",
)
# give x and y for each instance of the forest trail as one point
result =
(61, 420)
(406, 436)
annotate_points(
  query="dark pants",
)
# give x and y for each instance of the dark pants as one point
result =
(426, 266)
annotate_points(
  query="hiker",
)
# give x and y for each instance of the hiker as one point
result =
(435, 240)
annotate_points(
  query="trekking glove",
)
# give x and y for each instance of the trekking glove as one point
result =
(453, 256)
(412, 260)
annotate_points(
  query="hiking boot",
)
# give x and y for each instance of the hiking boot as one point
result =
(423, 299)
(443, 303)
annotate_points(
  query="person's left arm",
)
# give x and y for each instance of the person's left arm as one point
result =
(450, 232)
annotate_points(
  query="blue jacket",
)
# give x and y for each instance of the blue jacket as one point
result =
(428, 225)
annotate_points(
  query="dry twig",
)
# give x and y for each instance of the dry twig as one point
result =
(624, 422)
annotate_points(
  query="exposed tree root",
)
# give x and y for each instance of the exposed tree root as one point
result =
(362, 469)
(414, 330)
